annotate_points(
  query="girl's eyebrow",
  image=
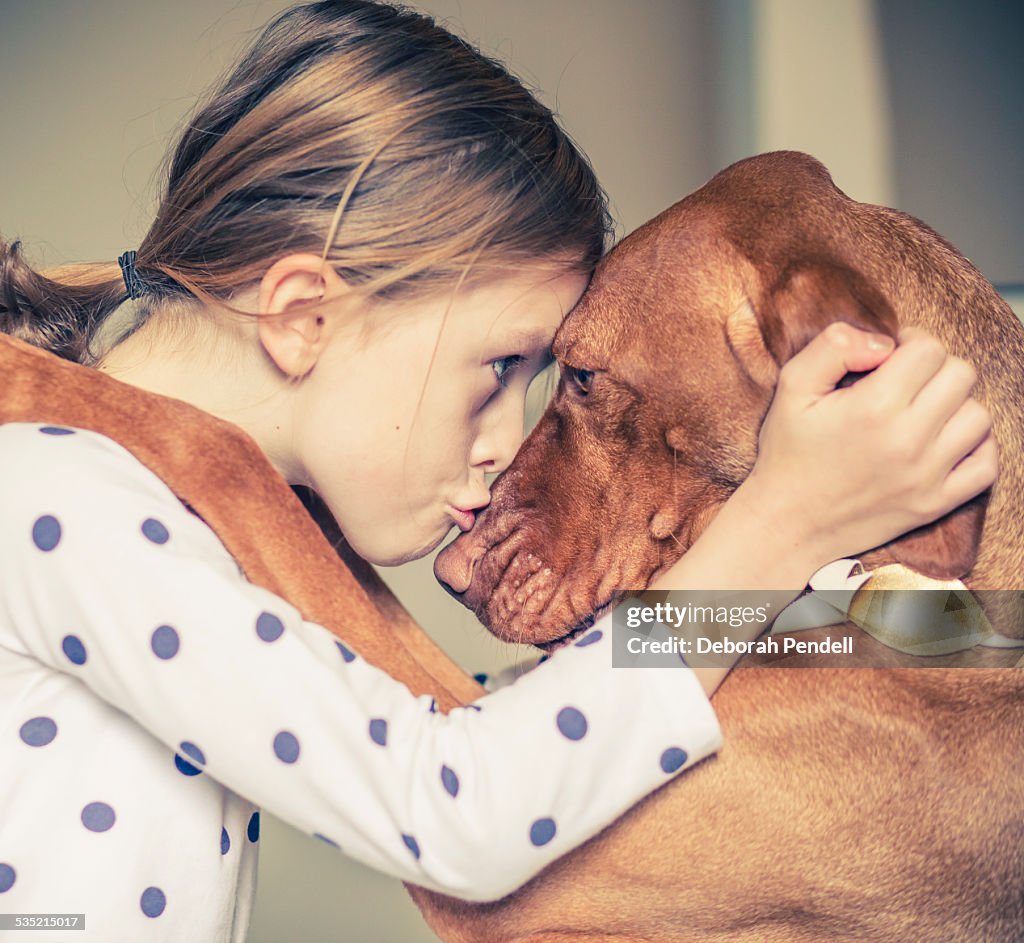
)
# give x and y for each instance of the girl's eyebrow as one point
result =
(527, 340)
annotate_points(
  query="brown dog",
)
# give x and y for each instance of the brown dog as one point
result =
(845, 804)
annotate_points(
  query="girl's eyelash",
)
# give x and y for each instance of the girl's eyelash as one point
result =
(504, 365)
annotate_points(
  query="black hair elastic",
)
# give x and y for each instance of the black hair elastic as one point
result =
(132, 279)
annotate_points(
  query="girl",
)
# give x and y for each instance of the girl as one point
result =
(367, 211)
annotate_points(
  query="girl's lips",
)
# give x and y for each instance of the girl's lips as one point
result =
(463, 518)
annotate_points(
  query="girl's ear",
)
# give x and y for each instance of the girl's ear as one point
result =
(294, 325)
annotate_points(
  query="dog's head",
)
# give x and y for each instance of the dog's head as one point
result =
(668, 365)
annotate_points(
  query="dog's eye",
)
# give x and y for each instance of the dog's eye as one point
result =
(582, 379)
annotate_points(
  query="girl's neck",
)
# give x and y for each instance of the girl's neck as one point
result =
(226, 376)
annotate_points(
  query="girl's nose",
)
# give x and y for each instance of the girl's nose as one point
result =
(500, 435)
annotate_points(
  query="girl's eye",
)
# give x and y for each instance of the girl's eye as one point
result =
(505, 365)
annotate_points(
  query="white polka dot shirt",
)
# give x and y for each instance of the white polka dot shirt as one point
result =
(152, 701)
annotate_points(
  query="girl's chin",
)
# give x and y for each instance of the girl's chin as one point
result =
(395, 556)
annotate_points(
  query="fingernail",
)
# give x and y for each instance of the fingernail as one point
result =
(880, 342)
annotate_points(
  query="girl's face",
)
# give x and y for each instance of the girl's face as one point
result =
(412, 404)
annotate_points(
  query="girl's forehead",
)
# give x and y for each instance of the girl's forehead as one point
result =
(526, 292)
(517, 312)
(526, 308)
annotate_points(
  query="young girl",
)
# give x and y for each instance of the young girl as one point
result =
(368, 237)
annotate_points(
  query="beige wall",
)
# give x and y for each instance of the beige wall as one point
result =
(660, 93)
(955, 76)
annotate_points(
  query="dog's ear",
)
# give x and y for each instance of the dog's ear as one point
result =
(745, 340)
(947, 548)
(801, 303)
(805, 299)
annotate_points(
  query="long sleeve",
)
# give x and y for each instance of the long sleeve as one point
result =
(106, 576)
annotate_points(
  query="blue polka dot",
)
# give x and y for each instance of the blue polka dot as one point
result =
(412, 845)
(165, 642)
(450, 780)
(153, 530)
(269, 627)
(473, 707)
(433, 705)
(325, 840)
(672, 759)
(589, 638)
(184, 767)
(542, 831)
(253, 830)
(346, 652)
(480, 677)
(379, 731)
(74, 649)
(572, 723)
(153, 901)
(38, 731)
(7, 877)
(46, 532)
(192, 752)
(225, 841)
(286, 747)
(56, 430)
(98, 817)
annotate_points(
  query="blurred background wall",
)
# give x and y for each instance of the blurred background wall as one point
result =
(912, 103)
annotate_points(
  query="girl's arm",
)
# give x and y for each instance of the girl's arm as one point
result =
(106, 577)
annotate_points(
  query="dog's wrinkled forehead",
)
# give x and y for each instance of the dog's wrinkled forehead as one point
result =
(590, 335)
(676, 269)
(671, 285)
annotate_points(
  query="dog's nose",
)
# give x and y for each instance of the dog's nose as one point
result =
(454, 565)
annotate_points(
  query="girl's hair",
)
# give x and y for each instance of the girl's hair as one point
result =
(357, 130)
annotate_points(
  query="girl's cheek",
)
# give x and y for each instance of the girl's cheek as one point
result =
(480, 400)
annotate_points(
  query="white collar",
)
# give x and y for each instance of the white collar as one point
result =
(933, 623)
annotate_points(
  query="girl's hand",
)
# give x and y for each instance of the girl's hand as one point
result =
(859, 466)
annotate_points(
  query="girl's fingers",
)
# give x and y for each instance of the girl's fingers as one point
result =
(943, 395)
(837, 350)
(966, 429)
(972, 476)
(917, 358)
